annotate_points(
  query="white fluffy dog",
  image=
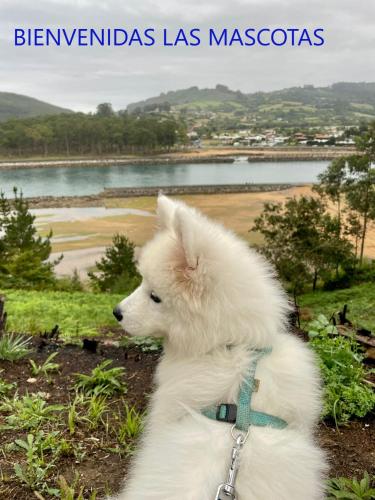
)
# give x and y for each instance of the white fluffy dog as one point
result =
(216, 302)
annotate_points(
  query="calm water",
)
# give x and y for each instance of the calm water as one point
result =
(75, 181)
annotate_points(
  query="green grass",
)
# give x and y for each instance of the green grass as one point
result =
(84, 314)
(77, 313)
(360, 300)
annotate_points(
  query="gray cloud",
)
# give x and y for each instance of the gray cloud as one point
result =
(81, 77)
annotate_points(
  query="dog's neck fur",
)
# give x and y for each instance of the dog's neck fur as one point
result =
(173, 351)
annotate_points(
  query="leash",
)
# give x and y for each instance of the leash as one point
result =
(242, 416)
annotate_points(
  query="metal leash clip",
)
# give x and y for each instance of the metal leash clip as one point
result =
(226, 491)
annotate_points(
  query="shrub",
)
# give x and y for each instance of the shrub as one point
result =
(345, 392)
(69, 283)
(352, 276)
(145, 344)
(352, 489)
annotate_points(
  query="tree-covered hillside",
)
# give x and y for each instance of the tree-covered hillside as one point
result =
(21, 106)
(338, 104)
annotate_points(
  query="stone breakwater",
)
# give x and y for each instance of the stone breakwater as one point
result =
(13, 165)
(296, 156)
(128, 192)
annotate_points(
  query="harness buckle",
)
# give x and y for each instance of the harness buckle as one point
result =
(226, 413)
(223, 494)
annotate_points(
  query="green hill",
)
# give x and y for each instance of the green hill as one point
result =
(338, 104)
(21, 106)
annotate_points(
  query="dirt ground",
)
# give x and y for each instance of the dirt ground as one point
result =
(350, 449)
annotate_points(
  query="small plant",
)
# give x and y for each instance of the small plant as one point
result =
(36, 470)
(73, 413)
(145, 344)
(102, 380)
(70, 492)
(14, 347)
(97, 407)
(5, 387)
(352, 489)
(46, 368)
(131, 425)
(28, 412)
(345, 393)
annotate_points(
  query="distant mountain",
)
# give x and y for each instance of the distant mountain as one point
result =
(21, 106)
(340, 103)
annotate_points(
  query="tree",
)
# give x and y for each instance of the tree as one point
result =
(352, 179)
(332, 184)
(353, 228)
(302, 240)
(360, 193)
(116, 271)
(99, 133)
(104, 109)
(23, 253)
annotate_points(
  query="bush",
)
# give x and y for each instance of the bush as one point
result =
(345, 392)
(352, 276)
(117, 272)
(352, 489)
(69, 283)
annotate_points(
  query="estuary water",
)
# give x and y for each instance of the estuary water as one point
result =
(80, 181)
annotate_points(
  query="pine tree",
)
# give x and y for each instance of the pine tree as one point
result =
(116, 271)
(23, 253)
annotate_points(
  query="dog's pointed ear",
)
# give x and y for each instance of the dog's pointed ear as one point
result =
(165, 211)
(187, 234)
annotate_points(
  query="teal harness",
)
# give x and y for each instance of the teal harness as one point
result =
(241, 414)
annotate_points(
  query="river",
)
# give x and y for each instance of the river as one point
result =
(80, 181)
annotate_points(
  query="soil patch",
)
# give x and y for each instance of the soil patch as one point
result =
(102, 464)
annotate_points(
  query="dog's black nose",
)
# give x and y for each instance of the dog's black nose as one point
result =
(117, 313)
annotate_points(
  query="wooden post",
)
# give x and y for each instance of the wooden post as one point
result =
(3, 315)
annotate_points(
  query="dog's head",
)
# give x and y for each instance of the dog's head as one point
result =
(201, 286)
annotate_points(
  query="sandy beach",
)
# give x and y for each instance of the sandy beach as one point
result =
(83, 239)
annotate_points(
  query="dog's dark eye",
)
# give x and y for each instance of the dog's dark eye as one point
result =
(155, 298)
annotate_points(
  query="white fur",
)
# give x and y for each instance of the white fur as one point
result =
(217, 292)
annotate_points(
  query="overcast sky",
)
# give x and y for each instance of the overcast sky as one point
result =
(79, 78)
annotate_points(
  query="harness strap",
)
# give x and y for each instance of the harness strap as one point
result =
(241, 414)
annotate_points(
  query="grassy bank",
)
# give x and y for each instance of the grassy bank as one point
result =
(78, 314)
(360, 300)
(81, 314)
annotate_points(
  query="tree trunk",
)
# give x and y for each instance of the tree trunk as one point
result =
(363, 238)
(315, 280)
(67, 148)
(3, 315)
(364, 226)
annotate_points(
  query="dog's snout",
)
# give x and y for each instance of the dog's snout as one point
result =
(117, 313)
